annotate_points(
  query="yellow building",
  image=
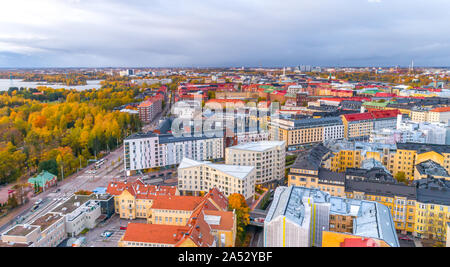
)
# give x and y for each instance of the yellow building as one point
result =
(297, 133)
(358, 126)
(432, 208)
(183, 221)
(133, 200)
(333, 239)
(409, 155)
(399, 198)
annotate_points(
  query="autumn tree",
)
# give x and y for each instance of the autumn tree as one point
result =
(237, 203)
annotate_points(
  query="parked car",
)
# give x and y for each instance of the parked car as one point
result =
(106, 234)
(405, 238)
(38, 202)
(123, 228)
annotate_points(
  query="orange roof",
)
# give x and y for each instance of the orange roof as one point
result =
(177, 202)
(151, 101)
(154, 233)
(226, 219)
(140, 190)
(225, 101)
(442, 109)
(218, 198)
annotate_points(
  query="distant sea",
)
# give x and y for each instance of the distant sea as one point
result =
(5, 84)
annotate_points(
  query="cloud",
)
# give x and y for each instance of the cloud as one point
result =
(223, 33)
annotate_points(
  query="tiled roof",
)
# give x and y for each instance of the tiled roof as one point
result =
(140, 190)
(154, 233)
(443, 109)
(226, 219)
(177, 202)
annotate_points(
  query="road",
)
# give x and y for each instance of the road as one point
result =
(110, 170)
(78, 181)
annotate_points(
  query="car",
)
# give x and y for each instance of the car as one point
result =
(123, 228)
(38, 202)
(405, 238)
(106, 234)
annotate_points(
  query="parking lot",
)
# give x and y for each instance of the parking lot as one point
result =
(94, 237)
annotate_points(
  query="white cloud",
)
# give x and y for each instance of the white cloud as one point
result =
(213, 32)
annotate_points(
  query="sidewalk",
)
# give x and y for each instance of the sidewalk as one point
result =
(255, 204)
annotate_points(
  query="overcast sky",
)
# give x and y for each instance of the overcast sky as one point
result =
(166, 33)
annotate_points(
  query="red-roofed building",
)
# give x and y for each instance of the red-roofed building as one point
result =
(133, 200)
(359, 126)
(439, 115)
(150, 108)
(182, 221)
(225, 103)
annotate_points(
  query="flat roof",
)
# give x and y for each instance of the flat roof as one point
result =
(21, 230)
(47, 220)
(259, 146)
(72, 204)
(234, 170)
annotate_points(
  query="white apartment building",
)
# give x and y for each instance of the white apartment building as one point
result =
(197, 176)
(333, 132)
(268, 157)
(146, 151)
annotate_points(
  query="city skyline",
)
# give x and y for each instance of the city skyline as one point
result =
(100, 33)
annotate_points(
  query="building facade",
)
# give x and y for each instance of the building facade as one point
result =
(267, 157)
(197, 177)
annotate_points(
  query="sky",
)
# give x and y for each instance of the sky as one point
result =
(232, 33)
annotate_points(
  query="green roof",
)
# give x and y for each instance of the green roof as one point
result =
(372, 91)
(376, 104)
(41, 179)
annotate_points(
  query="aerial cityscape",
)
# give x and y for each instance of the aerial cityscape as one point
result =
(196, 144)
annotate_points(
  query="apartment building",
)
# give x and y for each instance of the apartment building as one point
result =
(432, 208)
(149, 109)
(302, 217)
(185, 221)
(399, 198)
(439, 115)
(268, 157)
(150, 150)
(200, 176)
(360, 126)
(410, 155)
(308, 171)
(134, 199)
(297, 133)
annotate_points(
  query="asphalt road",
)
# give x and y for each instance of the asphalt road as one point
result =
(110, 170)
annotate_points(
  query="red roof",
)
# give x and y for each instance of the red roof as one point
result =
(151, 101)
(154, 233)
(443, 109)
(383, 114)
(357, 242)
(358, 117)
(140, 190)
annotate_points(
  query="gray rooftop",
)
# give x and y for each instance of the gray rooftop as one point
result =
(371, 219)
(311, 160)
(432, 168)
